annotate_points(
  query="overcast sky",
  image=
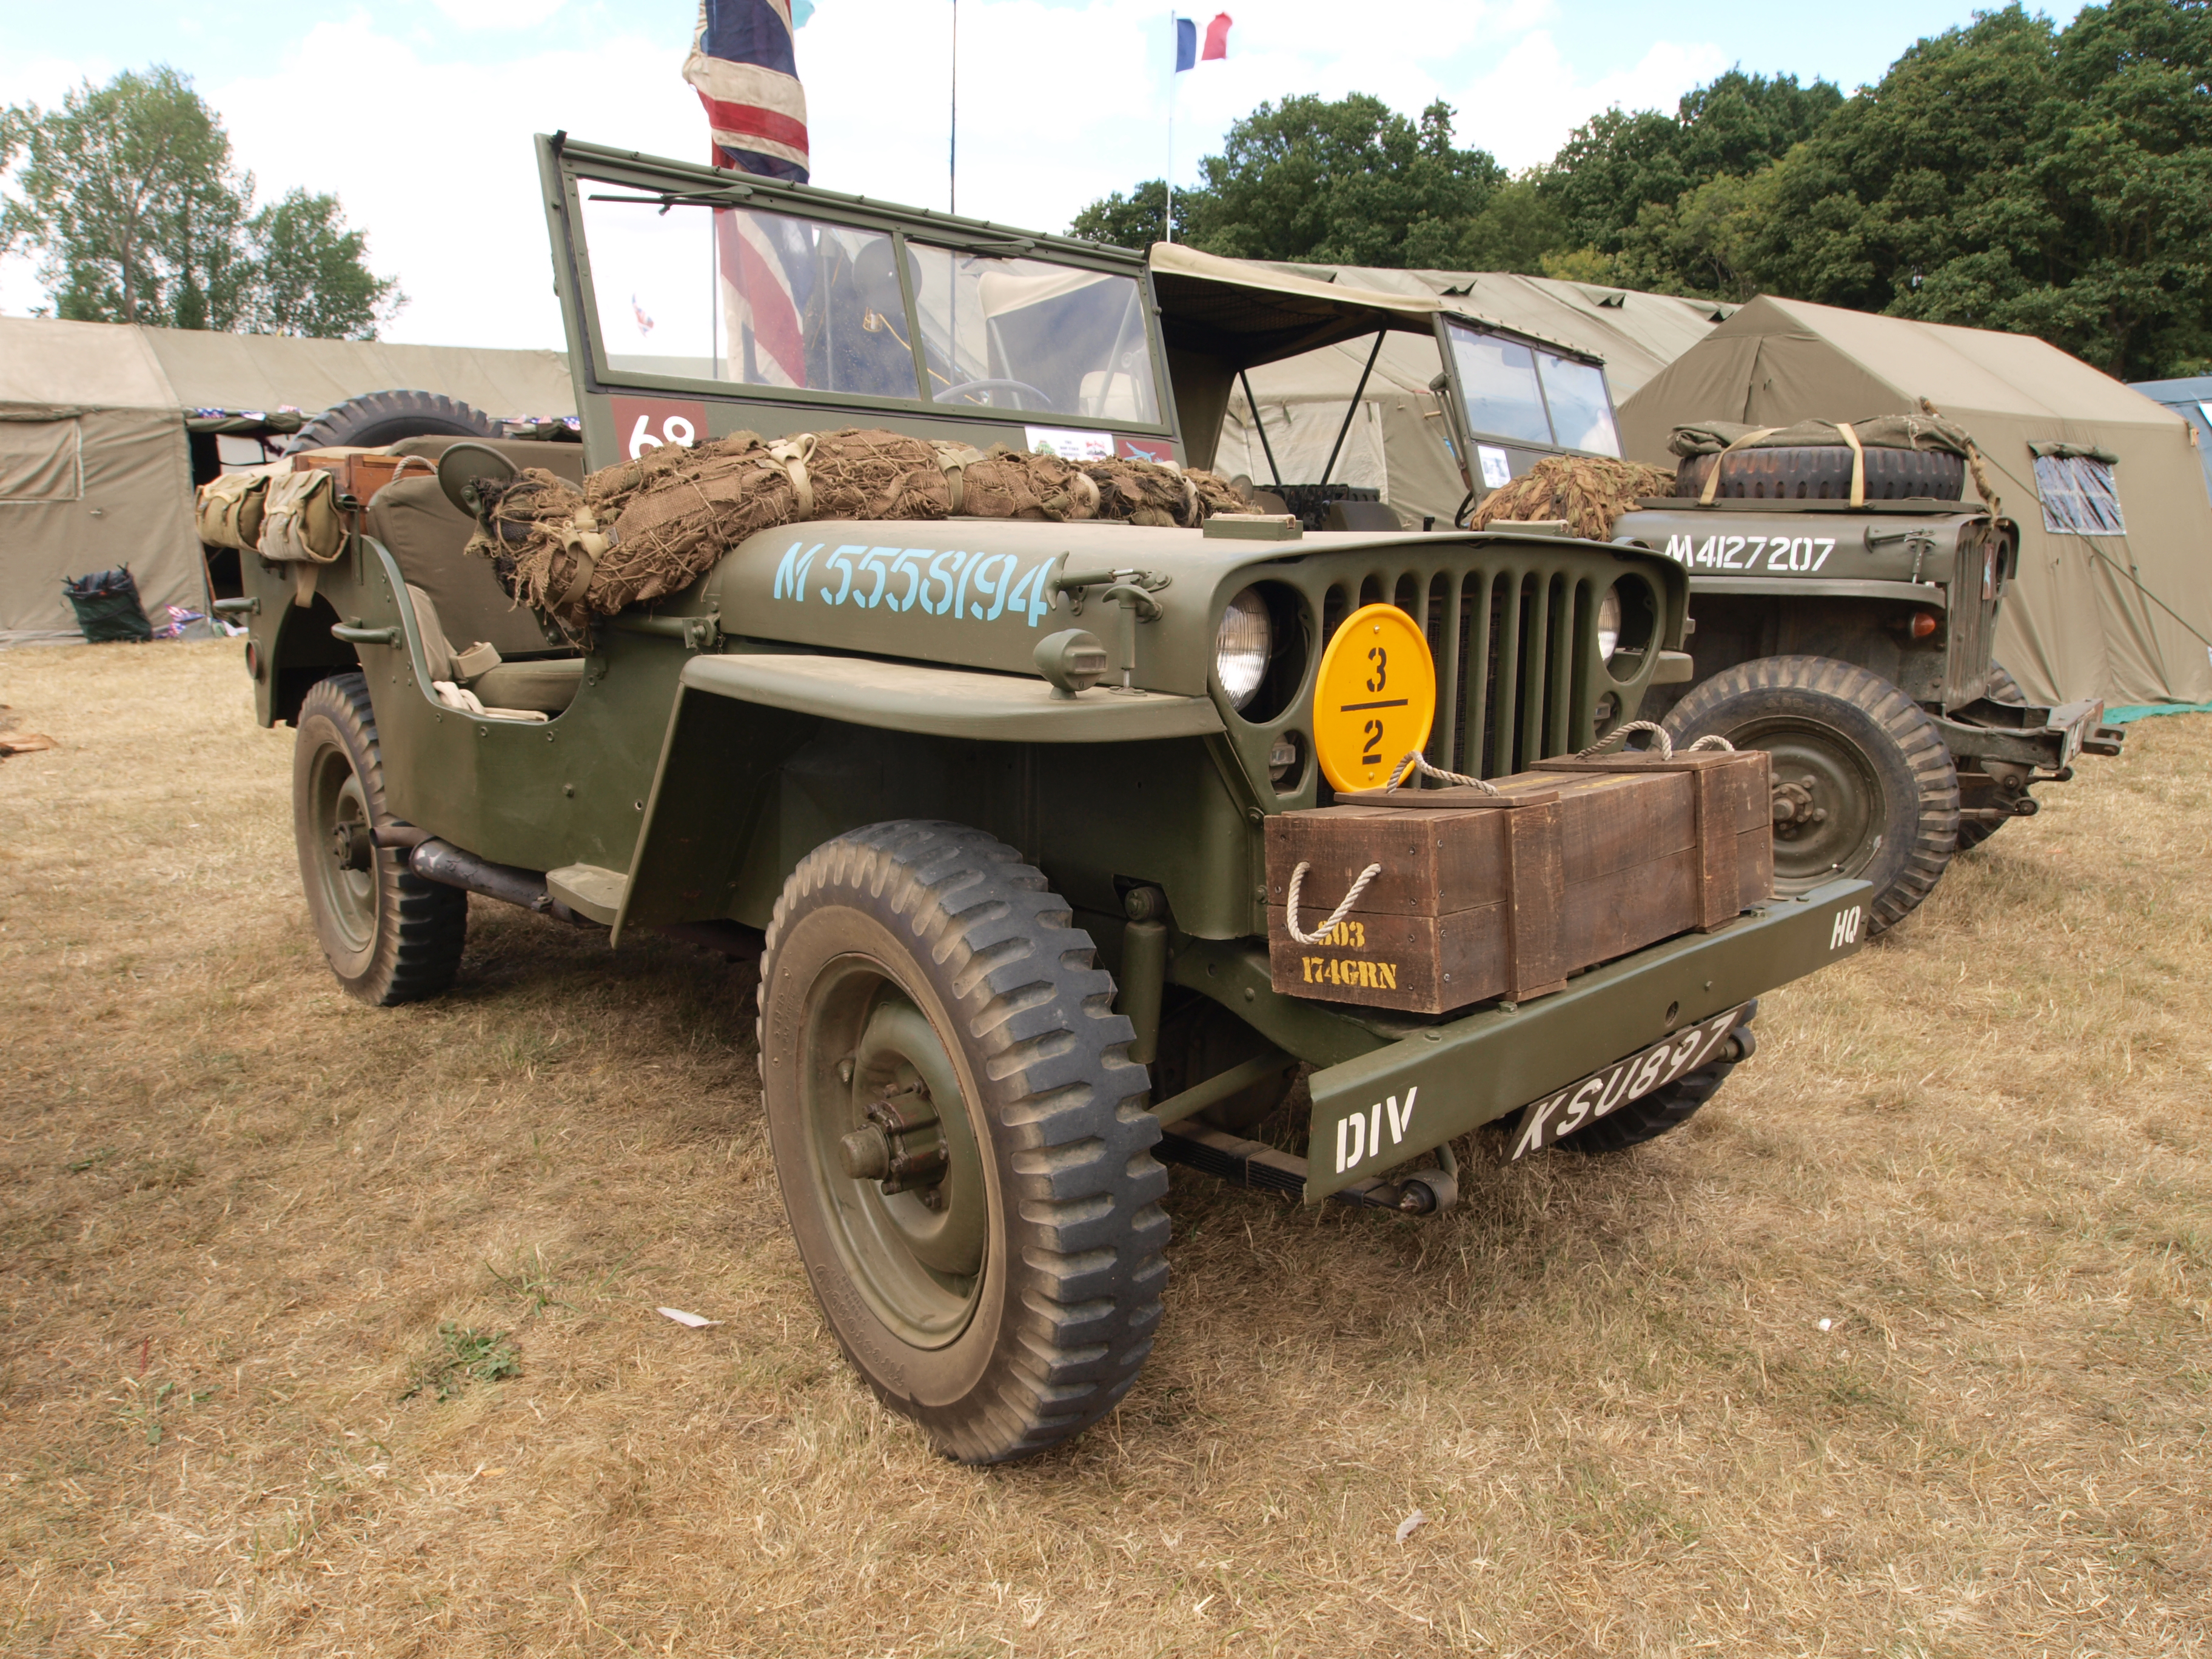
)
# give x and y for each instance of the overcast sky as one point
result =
(418, 113)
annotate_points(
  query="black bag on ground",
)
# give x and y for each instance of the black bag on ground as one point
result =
(106, 607)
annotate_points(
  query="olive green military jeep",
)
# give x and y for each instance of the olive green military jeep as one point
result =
(1012, 923)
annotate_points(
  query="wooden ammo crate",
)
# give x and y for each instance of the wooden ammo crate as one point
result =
(361, 472)
(1572, 864)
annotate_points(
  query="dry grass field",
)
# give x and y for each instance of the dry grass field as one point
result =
(330, 1331)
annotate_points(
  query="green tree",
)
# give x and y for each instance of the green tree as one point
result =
(1349, 182)
(128, 194)
(129, 197)
(310, 272)
(1137, 220)
(2009, 175)
(1518, 229)
(1620, 163)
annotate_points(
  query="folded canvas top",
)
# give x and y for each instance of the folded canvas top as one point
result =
(1881, 432)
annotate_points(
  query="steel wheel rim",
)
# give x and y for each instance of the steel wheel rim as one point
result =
(1844, 785)
(920, 1272)
(350, 898)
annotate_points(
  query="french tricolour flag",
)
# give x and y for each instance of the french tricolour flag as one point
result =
(742, 62)
(1187, 55)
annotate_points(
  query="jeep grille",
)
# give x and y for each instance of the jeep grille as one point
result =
(1512, 638)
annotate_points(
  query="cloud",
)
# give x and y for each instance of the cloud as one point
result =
(1526, 105)
(428, 148)
(493, 14)
(434, 160)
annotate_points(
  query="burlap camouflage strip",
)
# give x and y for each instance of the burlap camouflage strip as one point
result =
(643, 529)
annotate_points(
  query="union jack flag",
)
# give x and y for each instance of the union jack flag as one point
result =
(768, 268)
(742, 63)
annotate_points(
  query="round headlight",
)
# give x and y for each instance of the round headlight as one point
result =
(1608, 624)
(1242, 646)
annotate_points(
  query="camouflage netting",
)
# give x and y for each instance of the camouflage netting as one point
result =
(647, 528)
(1586, 491)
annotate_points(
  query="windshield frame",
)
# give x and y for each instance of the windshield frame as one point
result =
(589, 170)
(1469, 435)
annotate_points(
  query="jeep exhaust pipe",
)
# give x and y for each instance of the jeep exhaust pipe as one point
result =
(443, 862)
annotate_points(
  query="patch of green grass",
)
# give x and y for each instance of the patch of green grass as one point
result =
(464, 1356)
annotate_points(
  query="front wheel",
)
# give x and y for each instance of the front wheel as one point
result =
(1863, 785)
(391, 936)
(961, 1138)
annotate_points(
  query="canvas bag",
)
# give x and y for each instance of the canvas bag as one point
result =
(230, 510)
(301, 521)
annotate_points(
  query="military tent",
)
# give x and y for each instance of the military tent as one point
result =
(95, 472)
(103, 428)
(2114, 597)
(2191, 400)
(1398, 442)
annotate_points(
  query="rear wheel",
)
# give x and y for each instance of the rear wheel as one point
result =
(1863, 785)
(384, 417)
(961, 1138)
(391, 936)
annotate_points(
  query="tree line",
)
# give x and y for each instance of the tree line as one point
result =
(129, 198)
(2010, 174)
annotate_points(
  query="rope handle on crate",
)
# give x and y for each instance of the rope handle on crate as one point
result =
(1290, 909)
(1665, 743)
(1417, 762)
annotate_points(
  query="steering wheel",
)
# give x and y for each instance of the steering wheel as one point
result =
(1041, 402)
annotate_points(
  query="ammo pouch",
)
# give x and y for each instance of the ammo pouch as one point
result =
(230, 510)
(301, 521)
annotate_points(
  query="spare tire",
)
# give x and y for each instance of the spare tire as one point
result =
(1823, 473)
(376, 418)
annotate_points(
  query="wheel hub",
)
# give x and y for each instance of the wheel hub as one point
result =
(895, 1157)
(1827, 805)
(901, 1147)
(351, 846)
(1795, 811)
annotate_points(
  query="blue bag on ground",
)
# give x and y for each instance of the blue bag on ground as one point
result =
(106, 607)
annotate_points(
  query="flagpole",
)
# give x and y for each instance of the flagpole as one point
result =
(952, 157)
(1175, 58)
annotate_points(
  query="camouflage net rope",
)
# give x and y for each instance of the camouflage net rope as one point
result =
(644, 529)
(1589, 492)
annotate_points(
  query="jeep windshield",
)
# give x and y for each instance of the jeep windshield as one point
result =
(1524, 393)
(755, 297)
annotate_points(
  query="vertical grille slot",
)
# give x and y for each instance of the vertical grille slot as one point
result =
(1511, 679)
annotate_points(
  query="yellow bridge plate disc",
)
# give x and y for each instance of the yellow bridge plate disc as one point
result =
(1376, 698)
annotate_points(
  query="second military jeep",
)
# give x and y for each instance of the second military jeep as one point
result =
(1846, 632)
(989, 800)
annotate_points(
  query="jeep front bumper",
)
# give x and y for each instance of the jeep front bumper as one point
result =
(1475, 1070)
(2024, 734)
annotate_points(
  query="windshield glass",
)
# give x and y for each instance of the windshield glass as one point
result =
(1498, 379)
(1582, 414)
(1011, 333)
(735, 294)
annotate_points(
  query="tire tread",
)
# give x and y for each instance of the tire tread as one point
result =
(1087, 1277)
